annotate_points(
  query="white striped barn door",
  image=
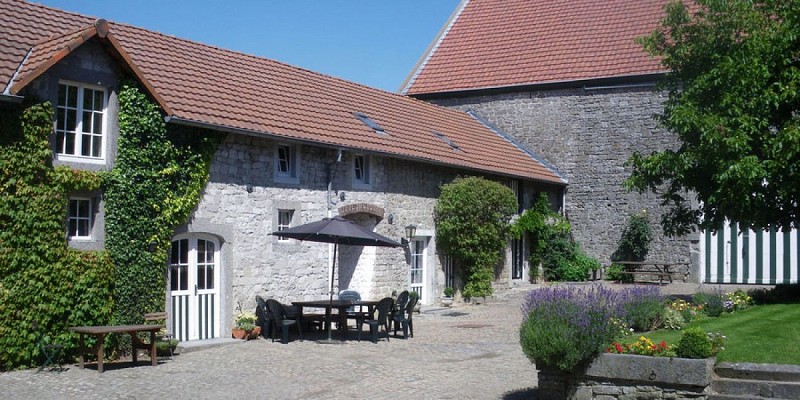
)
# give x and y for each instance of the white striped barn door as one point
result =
(734, 255)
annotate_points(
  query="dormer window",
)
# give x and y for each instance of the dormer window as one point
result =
(447, 141)
(361, 171)
(287, 164)
(370, 123)
(80, 122)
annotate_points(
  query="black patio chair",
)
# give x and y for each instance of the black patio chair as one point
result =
(354, 312)
(264, 317)
(405, 319)
(399, 305)
(281, 319)
(384, 309)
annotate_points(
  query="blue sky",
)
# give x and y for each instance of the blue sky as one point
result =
(373, 42)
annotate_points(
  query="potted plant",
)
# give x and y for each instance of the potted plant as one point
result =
(414, 295)
(245, 326)
(447, 296)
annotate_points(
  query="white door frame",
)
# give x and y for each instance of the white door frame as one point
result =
(194, 302)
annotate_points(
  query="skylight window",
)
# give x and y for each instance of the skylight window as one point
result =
(370, 123)
(447, 141)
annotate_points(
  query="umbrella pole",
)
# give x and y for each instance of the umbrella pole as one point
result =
(333, 276)
(329, 310)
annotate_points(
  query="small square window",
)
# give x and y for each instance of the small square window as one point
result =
(361, 167)
(79, 218)
(286, 164)
(284, 222)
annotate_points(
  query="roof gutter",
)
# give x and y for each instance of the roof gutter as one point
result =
(171, 119)
(601, 83)
(10, 98)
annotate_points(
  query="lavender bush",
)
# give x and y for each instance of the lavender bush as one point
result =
(565, 327)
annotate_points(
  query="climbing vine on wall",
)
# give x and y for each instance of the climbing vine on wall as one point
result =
(45, 287)
(156, 182)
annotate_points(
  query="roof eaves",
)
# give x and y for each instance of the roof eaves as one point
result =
(20, 80)
(423, 60)
(585, 83)
(519, 145)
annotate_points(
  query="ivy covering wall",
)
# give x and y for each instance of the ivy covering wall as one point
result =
(46, 287)
(156, 182)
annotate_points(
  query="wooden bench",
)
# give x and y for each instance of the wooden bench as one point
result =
(660, 269)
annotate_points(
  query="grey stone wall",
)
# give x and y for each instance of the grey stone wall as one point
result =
(588, 135)
(240, 205)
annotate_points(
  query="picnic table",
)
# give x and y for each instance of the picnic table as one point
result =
(661, 269)
(101, 331)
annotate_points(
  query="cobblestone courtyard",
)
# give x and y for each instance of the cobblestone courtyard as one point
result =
(466, 352)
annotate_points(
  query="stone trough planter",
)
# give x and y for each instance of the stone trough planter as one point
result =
(626, 376)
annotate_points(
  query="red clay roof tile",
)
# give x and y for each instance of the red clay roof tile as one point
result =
(497, 43)
(212, 86)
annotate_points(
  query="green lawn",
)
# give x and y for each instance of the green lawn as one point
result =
(762, 334)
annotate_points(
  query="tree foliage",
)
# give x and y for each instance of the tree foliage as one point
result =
(734, 91)
(472, 218)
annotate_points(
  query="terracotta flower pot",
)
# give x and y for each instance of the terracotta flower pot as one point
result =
(238, 333)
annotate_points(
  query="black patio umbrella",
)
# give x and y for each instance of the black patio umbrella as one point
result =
(336, 230)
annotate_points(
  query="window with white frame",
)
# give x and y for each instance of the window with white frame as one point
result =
(286, 163)
(79, 218)
(284, 222)
(361, 170)
(80, 121)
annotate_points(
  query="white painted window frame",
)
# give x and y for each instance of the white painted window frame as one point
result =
(71, 216)
(281, 226)
(292, 175)
(60, 154)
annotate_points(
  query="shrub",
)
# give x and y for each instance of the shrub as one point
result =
(472, 225)
(673, 319)
(634, 244)
(614, 273)
(448, 292)
(736, 301)
(552, 245)
(782, 293)
(566, 327)
(712, 303)
(643, 308)
(694, 344)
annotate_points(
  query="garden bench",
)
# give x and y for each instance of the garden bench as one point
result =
(660, 269)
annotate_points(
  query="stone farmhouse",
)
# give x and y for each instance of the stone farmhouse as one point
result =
(299, 146)
(567, 80)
